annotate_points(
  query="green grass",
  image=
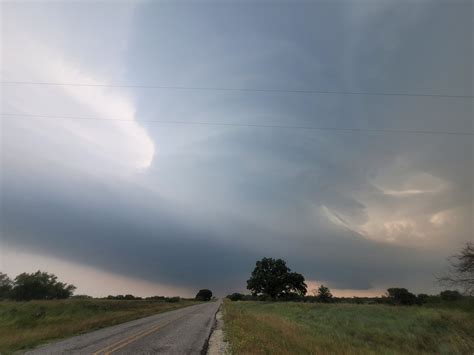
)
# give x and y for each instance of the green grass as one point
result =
(302, 328)
(25, 325)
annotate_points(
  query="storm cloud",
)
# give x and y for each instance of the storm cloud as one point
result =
(190, 205)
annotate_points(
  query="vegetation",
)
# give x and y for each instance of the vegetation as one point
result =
(461, 271)
(6, 286)
(324, 294)
(27, 324)
(204, 295)
(35, 286)
(272, 278)
(401, 296)
(304, 328)
(450, 295)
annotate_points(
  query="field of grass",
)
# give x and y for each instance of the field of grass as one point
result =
(27, 324)
(303, 328)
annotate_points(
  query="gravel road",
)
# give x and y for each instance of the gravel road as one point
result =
(183, 331)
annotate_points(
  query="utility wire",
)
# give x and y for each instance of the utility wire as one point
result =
(204, 123)
(196, 88)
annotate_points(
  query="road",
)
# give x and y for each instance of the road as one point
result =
(182, 331)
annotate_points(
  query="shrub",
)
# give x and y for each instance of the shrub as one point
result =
(422, 298)
(82, 297)
(236, 296)
(450, 295)
(324, 294)
(6, 286)
(204, 295)
(401, 296)
(156, 298)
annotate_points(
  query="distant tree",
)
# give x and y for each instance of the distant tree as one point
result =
(236, 296)
(204, 295)
(401, 296)
(324, 294)
(422, 298)
(450, 295)
(6, 286)
(131, 297)
(272, 278)
(461, 270)
(82, 297)
(40, 286)
(156, 298)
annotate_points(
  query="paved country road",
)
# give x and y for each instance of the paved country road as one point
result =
(182, 331)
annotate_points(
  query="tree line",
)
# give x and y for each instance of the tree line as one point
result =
(41, 285)
(35, 286)
(273, 280)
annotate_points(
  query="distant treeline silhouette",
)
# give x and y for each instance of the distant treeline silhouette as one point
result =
(394, 296)
(273, 280)
(151, 298)
(41, 285)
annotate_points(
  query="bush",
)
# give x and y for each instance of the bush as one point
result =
(82, 297)
(204, 295)
(450, 295)
(401, 296)
(156, 298)
(236, 296)
(324, 294)
(124, 297)
(6, 286)
(422, 298)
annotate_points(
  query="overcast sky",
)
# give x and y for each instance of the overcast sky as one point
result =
(122, 204)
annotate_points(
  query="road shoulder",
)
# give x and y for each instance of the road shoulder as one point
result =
(217, 344)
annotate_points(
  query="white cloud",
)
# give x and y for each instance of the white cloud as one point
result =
(118, 147)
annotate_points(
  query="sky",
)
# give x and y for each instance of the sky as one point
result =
(162, 167)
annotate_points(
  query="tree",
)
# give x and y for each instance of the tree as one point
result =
(324, 294)
(6, 286)
(422, 298)
(450, 295)
(204, 295)
(40, 286)
(461, 270)
(401, 296)
(236, 296)
(272, 278)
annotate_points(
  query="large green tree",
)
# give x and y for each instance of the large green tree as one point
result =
(271, 277)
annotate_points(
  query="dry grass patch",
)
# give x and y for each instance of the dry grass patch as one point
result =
(25, 325)
(298, 328)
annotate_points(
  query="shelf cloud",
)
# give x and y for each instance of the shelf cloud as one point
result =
(184, 207)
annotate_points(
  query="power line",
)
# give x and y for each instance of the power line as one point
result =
(197, 88)
(250, 125)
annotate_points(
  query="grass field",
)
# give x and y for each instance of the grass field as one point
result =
(27, 324)
(303, 328)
